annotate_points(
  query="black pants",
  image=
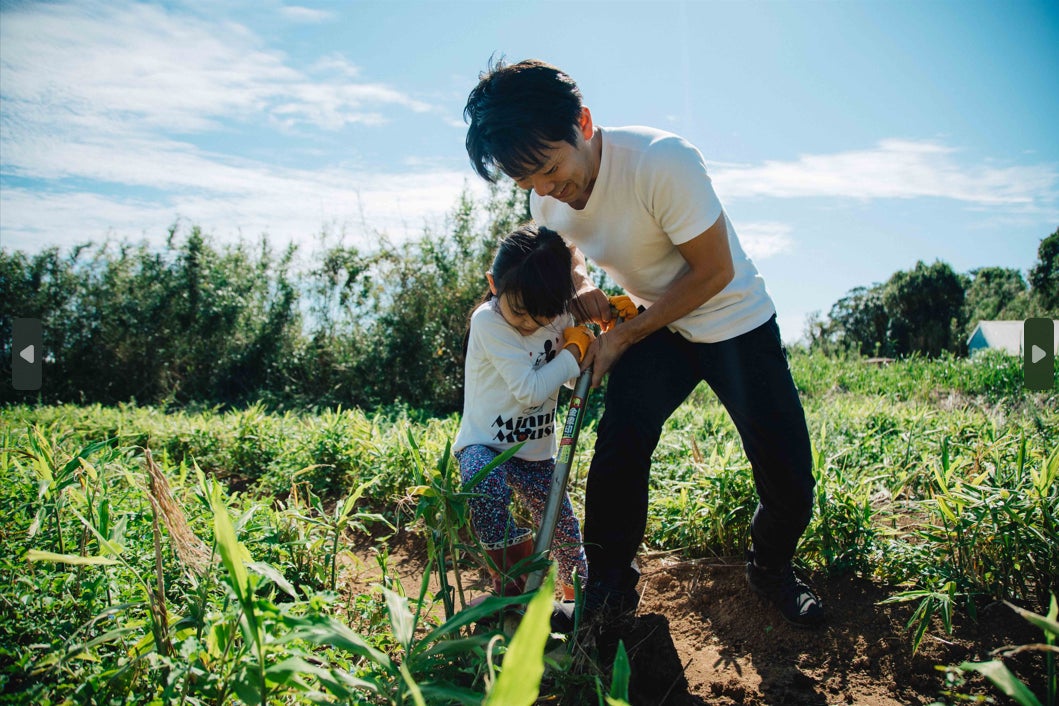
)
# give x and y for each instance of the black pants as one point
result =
(751, 378)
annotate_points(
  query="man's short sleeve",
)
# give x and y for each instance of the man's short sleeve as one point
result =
(676, 189)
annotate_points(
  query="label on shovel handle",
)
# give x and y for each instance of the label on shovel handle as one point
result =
(571, 420)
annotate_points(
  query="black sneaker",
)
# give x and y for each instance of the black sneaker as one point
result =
(611, 594)
(606, 603)
(563, 617)
(795, 601)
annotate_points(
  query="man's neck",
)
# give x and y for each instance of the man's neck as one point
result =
(596, 145)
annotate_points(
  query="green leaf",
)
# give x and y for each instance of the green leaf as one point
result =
(619, 682)
(247, 687)
(74, 559)
(400, 618)
(449, 693)
(477, 477)
(943, 505)
(285, 671)
(321, 630)
(75, 463)
(520, 676)
(272, 573)
(233, 554)
(1048, 625)
(413, 688)
(996, 672)
(355, 496)
(471, 614)
(451, 648)
(342, 684)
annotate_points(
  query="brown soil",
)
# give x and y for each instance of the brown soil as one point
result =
(700, 636)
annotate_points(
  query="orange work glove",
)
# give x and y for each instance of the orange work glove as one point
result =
(579, 336)
(621, 307)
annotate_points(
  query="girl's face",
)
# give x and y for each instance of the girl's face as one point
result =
(510, 308)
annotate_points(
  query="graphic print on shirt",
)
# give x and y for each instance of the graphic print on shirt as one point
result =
(533, 423)
(551, 349)
(526, 427)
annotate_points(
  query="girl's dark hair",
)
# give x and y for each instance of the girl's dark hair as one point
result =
(514, 112)
(532, 264)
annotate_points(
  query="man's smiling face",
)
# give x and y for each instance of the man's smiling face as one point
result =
(568, 171)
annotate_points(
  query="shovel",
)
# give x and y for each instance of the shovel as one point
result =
(575, 415)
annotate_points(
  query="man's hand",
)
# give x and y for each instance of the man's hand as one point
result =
(592, 305)
(604, 353)
(609, 346)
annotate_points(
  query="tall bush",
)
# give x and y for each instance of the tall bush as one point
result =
(196, 323)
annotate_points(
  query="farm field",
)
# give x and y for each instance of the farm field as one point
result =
(306, 556)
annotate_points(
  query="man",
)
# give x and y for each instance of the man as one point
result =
(639, 203)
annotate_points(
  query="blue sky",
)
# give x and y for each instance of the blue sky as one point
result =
(847, 140)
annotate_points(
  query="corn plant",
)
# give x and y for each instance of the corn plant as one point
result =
(987, 512)
(54, 479)
(441, 505)
(523, 667)
(709, 509)
(842, 534)
(335, 523)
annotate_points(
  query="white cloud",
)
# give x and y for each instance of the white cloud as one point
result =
(289, 206)
(894, 169)
(336, 63)
(307, 15)
(122, 67)
(765, 239)
(102, 104)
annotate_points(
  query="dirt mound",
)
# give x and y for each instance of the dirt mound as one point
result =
(700, 636)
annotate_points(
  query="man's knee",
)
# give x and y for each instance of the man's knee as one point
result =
(626, 440)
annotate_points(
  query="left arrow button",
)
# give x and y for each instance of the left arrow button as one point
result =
(26, 345)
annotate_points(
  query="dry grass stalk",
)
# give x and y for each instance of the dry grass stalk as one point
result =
(191, 550)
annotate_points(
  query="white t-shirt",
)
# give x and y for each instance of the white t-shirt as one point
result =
(652, 194)
(511, 384)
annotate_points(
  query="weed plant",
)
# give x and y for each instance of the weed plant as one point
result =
(936, 487)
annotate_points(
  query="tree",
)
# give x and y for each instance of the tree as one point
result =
(991, 295)
(1044, 277)
(859, 322)
(925, 306)
(200, 322)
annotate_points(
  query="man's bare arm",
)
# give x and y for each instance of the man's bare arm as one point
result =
(591, 303)
(710, 270)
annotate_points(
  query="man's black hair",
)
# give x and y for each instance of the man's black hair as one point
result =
(515, 112)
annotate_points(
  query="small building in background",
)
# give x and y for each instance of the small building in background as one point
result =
(1003, 336)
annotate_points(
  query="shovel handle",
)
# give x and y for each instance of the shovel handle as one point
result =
(575, 416)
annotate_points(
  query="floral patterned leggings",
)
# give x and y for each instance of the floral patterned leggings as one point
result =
(491, 517)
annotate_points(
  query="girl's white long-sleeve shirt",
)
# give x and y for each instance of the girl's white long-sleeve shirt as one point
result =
(511, 384)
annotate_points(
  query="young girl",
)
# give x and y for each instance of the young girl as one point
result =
(522, 347)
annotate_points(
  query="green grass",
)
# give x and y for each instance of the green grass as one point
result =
(936, 477)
